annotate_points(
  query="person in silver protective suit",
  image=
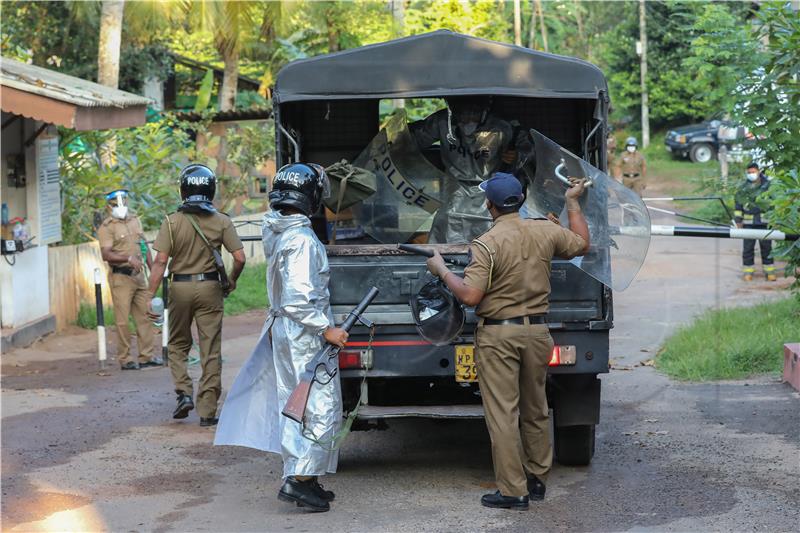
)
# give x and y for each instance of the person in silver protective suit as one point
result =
(473, 143)
(299, 323)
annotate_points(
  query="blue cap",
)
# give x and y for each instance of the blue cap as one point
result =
(502, 189)
(113, 194)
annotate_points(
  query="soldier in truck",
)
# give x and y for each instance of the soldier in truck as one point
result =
(473, 143)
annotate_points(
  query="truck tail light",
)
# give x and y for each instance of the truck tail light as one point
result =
(563, 355)
(355, 359)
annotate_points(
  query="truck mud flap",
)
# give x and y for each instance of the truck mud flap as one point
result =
(575, 399)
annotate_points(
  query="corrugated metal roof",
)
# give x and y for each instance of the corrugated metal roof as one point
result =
(52, 84)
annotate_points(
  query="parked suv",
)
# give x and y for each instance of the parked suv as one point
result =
(701, 142)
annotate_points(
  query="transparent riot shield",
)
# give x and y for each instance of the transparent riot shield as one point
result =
(407, 185)
(619, 224)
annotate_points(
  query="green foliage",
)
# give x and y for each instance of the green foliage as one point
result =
(249, 146)
(204, 94)
(732, 343)
(147, 161)
(251, 291)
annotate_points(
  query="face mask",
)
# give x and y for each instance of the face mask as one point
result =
(119, 212)
(469, 128)
(752, 176)
(631, 149)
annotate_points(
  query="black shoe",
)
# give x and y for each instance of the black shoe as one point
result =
(304, 494)
(536, 488)
(210, 421)
(185, 404)
(130, 365)
(156, 361)
(498, 501)
(326, 495)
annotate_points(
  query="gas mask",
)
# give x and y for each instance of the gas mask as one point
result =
(631, 149)
(752, 176)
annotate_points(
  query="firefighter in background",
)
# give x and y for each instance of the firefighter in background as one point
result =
(631, 169)
(750, 213)
(124, 248)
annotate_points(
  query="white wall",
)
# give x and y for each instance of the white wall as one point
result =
(24, 288)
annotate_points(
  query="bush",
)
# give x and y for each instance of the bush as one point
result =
(250, 293)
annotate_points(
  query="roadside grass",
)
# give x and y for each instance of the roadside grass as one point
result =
(250, 293)
(732, 343)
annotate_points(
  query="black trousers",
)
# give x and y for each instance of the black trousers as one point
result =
(749, 252)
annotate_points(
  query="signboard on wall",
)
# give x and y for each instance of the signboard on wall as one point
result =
(49, 190)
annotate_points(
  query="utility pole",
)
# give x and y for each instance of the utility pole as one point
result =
(643, 68)
(517, 24)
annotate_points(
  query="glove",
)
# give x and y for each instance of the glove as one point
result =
(437, 266)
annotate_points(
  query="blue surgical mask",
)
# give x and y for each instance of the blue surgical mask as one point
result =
(752, 176)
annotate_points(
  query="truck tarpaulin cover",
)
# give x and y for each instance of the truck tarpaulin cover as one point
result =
(437, 63)
(407, 185)
(619, 224)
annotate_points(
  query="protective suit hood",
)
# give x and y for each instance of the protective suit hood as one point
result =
(277, 223)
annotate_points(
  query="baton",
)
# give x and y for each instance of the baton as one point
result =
(429, 253)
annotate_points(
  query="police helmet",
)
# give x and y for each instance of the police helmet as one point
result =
(438, 315)
(470, 107)
(301, 186)
(631, 141)
(198, 184)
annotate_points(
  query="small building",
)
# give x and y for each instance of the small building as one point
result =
(34, 101)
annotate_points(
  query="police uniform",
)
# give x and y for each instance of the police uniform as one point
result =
(511, 265)
(195, 294)
(632, 169)
(128, 289)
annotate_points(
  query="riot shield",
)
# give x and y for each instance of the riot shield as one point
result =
(407, 185)
(619, 224)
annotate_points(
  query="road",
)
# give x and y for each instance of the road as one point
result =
(82, 451)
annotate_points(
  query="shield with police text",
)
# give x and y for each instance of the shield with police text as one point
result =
(407, 185)
(619, 223)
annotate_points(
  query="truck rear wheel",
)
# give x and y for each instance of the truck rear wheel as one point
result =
(574, 445)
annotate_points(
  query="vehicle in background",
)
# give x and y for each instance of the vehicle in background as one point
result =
(702, 142)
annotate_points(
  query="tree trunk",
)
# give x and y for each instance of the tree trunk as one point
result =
(532, 29)
(643, 68)
(517, 24)
(540, 9)
(581, 33)
(333, 34)
(230, 79)
(398, 17)
(110, 43)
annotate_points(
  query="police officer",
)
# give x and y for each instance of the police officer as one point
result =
(749, 212)
(123, 246)
(473, 143)
(631, 167)
(508, 279)
(195, 293)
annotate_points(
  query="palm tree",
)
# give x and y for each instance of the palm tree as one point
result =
(110, 42)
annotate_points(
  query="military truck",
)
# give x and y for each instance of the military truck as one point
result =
(328, 108)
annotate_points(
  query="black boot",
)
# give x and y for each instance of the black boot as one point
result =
(326, 495)
(498, 501)
(536, 488)
(185, 404)
(304, 494)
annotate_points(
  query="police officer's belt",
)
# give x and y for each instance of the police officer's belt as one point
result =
(631, 175)
(128, 271)
(520, 320)
(208, 276)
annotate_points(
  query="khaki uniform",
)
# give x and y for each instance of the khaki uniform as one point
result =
(200, 301)
(128, 292)
(511, 264)
(632, 170)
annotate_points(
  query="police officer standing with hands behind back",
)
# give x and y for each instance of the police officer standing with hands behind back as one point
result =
(508, 279)
(196, 293)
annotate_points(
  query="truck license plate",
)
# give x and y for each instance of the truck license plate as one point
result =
(465, 364)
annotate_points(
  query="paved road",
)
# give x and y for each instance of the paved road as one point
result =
(87, 452)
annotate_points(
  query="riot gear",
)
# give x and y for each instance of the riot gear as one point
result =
(301, 186)
(469, 113)
(198, 187)
(437, 313)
